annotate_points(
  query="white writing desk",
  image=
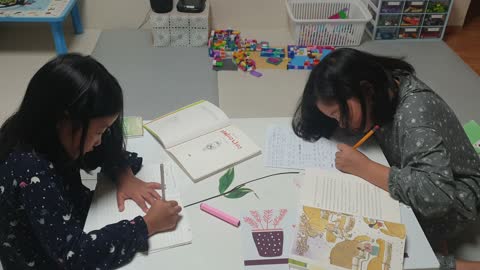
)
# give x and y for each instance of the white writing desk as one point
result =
(218, 245)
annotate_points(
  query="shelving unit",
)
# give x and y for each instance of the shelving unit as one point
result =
(410, 20)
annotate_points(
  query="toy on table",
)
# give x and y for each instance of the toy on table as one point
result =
(306, 57)
(220, 47)
(247, 65)
(217, 60)
(273, 52)
(256, 73)
(274, 60)
(243, 60)
(342, 14)
(249, 45)
(263, 45)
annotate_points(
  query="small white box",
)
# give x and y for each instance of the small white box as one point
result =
(159, 21)
(179, 21)
(161, 36)
(179, 37)
(198, 37)
(199, 21)
(180, 29)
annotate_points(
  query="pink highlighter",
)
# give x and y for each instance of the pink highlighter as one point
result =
(220, 214)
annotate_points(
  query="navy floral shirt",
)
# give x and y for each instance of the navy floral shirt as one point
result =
(43, 211)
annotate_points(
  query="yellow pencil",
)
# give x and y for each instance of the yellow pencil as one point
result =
(368, 135)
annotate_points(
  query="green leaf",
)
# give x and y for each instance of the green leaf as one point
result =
(226, 180)
(238, 193)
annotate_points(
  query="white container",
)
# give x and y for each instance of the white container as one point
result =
(310, 25)
(178, 29)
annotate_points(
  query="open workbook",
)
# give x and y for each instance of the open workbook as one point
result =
(345, 222)
(201, 138)
(104, 209)
(333, 240)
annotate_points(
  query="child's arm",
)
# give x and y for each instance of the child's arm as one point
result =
(425, 180)
(351, 161)
(97, 158)
(59, 228)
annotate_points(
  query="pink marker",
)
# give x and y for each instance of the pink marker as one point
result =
(220, 214)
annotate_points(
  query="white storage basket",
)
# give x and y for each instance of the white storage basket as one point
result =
(310, 25)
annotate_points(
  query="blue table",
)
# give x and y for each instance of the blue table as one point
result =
(49, 11)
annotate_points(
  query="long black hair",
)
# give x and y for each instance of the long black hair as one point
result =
(344, 74)
(73, 87)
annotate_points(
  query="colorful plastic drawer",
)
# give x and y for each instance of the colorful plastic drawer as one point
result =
(392, 7)
(384, 33)
(389, 20)
(411, 20)
(438, 6)
(408, 32)
(431, 32)
(414, 7)
(434, 20)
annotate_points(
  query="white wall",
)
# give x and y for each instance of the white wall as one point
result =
(238, 14)
(459, 11)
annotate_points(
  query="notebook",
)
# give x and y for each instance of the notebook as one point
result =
(133, 126)
(201, 139)
(105, 201)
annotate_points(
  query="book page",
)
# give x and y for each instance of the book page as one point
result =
(345, 193)
(213, 152)
(187, 123)
(327, 239)
(104, 209)
(284, 149)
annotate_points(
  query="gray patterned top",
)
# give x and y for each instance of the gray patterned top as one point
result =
(434, 168)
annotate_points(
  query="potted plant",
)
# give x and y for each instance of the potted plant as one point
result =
(267, 232)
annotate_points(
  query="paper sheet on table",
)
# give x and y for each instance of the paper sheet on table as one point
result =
(284, 149)
(347, 194)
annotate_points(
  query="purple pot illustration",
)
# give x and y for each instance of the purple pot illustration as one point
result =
(269, 243)
(267, 232)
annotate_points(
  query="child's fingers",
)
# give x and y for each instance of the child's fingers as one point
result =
(154, 185)
(120, 202)
(342, 146)
(140, 201)
(155, 195)
(148, 198)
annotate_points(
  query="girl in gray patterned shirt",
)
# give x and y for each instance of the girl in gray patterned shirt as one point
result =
(433, 167)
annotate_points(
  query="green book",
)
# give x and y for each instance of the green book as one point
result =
(473, 132)
(133, 126)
